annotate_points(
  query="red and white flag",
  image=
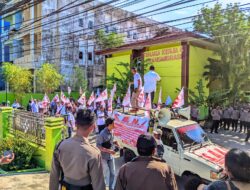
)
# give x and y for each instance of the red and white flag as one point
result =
(113, 91)
(82, 100)
(45, 101)
(126, 99)
(159, 100)
(56, 98)
(110, 106)
(148, 105)
(80, 91)
(118, 100)
(141, 98)
(69, 90)
(179, 101)
(91, 98)
(103, 104)
(103, 96)
(63, 97)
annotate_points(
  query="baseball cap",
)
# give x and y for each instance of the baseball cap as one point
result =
(157, 132)
(145, 142)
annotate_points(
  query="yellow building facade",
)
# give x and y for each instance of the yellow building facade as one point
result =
(179, 59)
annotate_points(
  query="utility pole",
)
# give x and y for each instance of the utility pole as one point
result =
(86, 58)
(32, 45)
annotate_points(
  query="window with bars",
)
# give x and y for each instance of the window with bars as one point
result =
(81, 22)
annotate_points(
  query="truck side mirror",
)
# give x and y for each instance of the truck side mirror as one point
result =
(175, 146)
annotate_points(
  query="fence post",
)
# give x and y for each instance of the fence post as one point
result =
(53, 135)
(4, 120)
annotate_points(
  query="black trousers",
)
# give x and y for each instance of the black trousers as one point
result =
(152, 96)
(248, 131)
(227, 123)
(234, 124)
(215, 126)
(242, 125)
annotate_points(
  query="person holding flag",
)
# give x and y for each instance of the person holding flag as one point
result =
(91, 101)
(82, 101)
(150, 80)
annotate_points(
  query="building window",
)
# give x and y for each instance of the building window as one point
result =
(107, 29)
(114, 30)
(81, 22)
(80, 55)
(90, 57)
(135, 36)
(90, 24)
(128, 34)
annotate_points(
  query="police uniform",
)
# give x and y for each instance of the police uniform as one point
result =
(146, 173)
(80, 163)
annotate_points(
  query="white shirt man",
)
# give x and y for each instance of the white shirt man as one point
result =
(137, 89)
(150, 80)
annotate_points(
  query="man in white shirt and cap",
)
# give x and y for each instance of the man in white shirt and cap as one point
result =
(150, 80)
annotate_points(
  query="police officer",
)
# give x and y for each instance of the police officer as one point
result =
(146, 172)
(76, 163)
(247, 123)
(235, 119)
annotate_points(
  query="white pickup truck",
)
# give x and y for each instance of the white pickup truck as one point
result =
(187, 150)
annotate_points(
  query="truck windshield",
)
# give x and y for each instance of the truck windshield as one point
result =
(191, 135)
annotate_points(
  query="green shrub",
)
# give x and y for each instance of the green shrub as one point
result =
(24, 153)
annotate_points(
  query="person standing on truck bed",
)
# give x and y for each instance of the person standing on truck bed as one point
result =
(76, 163)
(150, 80)
(146, 172)
(137, 89)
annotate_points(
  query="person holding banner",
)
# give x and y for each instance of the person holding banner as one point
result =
(145, 171)
(137, 89)
(150, 80)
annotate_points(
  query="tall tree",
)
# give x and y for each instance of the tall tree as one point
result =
(19, 79)
(110, 40)
(78, 79)
(48, 78)
(229, 29)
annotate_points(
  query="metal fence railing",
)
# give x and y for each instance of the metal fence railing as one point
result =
(28, 125)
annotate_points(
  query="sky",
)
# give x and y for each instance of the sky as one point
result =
(193, 9)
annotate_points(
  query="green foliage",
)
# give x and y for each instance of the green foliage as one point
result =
(78, 79)
(110, 40)
(122, 78)
(218, 97)
(198, 97)
(229, 29)
(19, 79)
(24, 153)
(48, 78)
